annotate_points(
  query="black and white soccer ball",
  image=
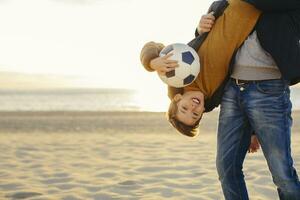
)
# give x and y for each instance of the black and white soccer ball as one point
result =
(189, 65)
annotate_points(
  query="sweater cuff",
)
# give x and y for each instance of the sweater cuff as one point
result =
(149, 52)
(146, 61)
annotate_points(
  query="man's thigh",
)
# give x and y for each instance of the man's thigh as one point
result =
(234, 132)
(268, 108)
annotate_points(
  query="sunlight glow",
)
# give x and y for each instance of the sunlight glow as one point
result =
(91, 43)
(99, 39)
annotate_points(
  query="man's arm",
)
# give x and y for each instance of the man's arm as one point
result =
(275, 5)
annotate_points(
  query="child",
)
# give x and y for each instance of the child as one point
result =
(216, 53)
(185, 110)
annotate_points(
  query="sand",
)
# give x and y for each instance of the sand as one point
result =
(102, 156)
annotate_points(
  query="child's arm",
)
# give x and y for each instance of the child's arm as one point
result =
(205, 24)
(208, 19)
(153, 62)
(149, 52)
(254, 145)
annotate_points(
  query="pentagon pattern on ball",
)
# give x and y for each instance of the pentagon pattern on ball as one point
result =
(188, 79)
(188, 57)
(170, 74)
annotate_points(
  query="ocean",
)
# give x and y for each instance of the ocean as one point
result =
(91, 100)
(78, 100)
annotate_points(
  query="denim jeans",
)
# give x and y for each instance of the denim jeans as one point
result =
(265, 108)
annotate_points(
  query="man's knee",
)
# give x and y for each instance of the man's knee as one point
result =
(287, 184)
(292, 194)
(228, 170)
(283, 173)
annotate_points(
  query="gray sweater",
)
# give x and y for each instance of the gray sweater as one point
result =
(253, 63)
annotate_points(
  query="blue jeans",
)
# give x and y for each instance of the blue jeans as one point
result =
(265, 108)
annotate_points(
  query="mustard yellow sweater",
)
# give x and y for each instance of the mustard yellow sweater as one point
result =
(227, 35)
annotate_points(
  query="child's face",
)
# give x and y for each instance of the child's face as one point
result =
(190, 107)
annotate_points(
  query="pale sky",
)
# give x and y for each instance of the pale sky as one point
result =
(98, 40)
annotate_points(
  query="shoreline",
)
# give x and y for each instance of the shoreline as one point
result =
(103, 122)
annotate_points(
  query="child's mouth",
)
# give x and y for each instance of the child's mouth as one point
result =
(195, 100)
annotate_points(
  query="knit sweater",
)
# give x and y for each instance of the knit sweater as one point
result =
(227, 35)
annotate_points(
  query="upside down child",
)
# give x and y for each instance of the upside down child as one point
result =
(228, 33)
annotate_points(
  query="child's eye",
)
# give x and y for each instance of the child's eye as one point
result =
(196, 114)
(184, 108)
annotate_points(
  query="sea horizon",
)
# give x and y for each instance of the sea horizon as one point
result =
(78, 99)
(90, 99)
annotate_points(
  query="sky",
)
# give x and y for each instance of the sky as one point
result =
(96, 41)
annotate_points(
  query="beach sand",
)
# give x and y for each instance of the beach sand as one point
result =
(114, 155)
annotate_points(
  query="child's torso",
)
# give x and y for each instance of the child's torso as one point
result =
(228, 33)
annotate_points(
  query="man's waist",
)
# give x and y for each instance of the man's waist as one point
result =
(244, 82)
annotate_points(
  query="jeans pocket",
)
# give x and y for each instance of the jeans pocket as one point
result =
(272, 87)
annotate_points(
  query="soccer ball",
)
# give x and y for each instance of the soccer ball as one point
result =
(189, 65)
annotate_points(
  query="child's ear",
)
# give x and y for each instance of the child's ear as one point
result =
(177, 97)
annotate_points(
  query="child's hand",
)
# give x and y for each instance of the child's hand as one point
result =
(206, 23)
(255, 145)
(163, 65)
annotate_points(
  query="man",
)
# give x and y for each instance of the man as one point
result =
(257, 96)
(262, 102)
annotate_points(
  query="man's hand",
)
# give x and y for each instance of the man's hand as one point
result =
(206, 23)
(163, 65)
(254, 146)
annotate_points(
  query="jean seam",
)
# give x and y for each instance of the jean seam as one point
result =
(235, 87)
(234, 165)
(287, 142)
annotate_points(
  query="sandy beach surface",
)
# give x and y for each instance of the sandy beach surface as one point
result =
(117, 155)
